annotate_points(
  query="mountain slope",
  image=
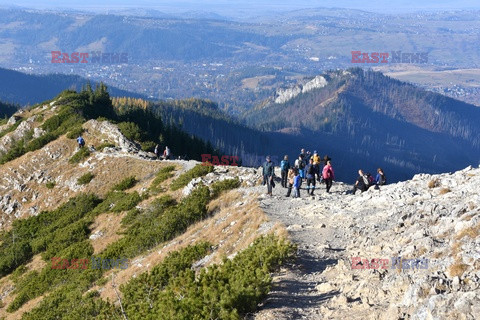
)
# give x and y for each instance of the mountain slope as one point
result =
(27, 89)
(364, 119)
(62, 208)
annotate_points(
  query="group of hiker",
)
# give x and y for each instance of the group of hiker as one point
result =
(166, 155)
(310, 168)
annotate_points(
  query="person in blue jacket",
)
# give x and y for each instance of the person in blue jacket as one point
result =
(284, 166)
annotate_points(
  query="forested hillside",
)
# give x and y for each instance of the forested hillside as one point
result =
(368, 120)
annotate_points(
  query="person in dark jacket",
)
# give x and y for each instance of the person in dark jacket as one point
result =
(310, 172)
(268, 172)
(362, 182)
(284, 167)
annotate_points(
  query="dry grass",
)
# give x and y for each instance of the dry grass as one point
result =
(433, 183)
(109, 225)
(37, 263)
(232, 227)
(444, 190)
(472, 232)
(457, 269)
(421, 251)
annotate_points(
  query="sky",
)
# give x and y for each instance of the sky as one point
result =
(253, 6)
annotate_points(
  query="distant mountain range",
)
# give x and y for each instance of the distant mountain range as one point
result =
(361, 119)
(26, 89)
(364, 119)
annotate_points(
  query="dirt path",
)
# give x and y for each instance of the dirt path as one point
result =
(321, 242)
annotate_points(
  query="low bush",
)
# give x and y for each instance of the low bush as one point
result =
(79, 155)
(125, 184)
(224, 185)
(75, 132)
(86, 178)
(162, 175)
(197, 171)
(50, 184)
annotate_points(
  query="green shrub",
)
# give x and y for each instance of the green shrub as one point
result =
(224, 185)
(147, 145)
(130, 130)
(117, 202)
(86, 178)
(31, 236)
(41, 141)
(162, 175)
(226, 291)
(75, 132)
(17, 150)
(197, 171)
(50, 184)
(125, 184)
(79, 155)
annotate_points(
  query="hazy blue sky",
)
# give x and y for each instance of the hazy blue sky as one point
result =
(253, 6)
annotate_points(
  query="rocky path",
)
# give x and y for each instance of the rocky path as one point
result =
(434, 218)
(320, 243)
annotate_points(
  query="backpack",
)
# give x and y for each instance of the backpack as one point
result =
(383, 180)
(284, 165)
(371, 180)
(366, 179)
(301, 164)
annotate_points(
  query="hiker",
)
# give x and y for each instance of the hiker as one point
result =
(380, 179)
(166, 153)
(303, 153)
(326, 159)
(300, 165)
(316, 164)
(268, 172)
(310, 174)
(362, 182)
(157, 151)
(328, 175)
(81, 141)
(297, 182)
(284, 167)
(291, 175)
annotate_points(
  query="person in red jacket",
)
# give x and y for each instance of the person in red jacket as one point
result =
(328, 175)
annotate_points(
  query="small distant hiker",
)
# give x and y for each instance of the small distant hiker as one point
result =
(268, 173)
(166, 153)
(157, 151)
(284, 167)
(380, 179)
(300, 165)
(328, 175)
(310, 174)
(362, 182)
(297, 182)
(81, 141)
(326, 159)
(316, 164)
(291, 175)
